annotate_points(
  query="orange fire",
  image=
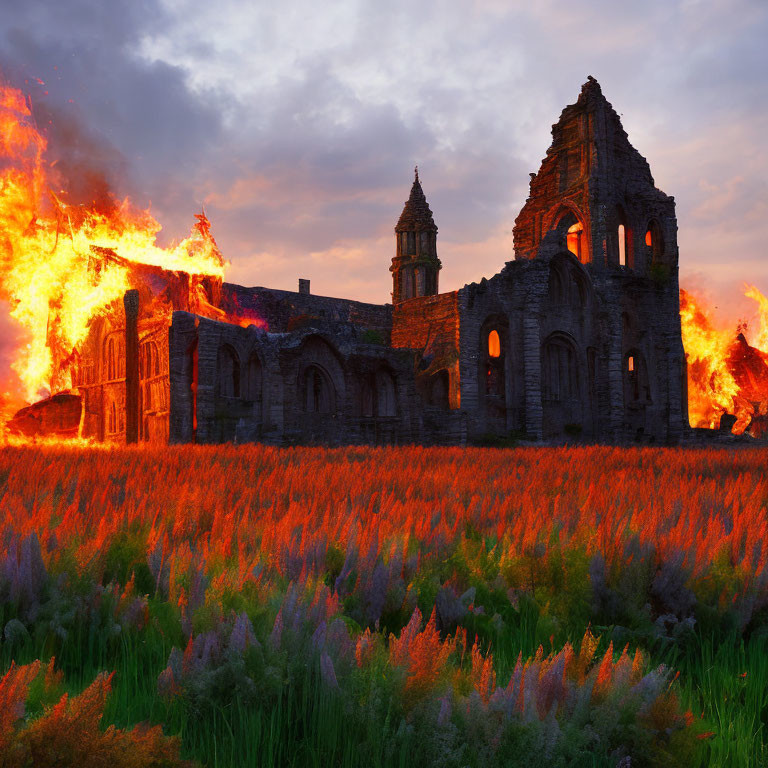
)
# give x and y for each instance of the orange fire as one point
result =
(726, 374)
(62, 265)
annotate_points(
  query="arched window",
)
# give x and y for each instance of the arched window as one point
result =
(112, 422)
(318, 392)
(623, 239)
(121, 358)
(111, 360)
(560, 381)
(567, 283)
(494, 365)
(636, 387)
(409, 283)
(569, 169)
(622, 234)
(149, 360)
(492, 378)
(494, 344)
(571, 230)
(654, 242)
(557, 293)
(574, 239)
(228, 370)
(386, 399)
(368, 396)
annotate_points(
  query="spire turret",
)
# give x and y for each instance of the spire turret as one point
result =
(415, 266)
(416, 213)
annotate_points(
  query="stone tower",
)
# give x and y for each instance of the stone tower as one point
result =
(415, 266)
(594, 196)
(596, 192)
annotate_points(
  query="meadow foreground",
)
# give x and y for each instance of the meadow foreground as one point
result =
(383, 606)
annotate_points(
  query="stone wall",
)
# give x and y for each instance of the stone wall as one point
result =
(318, 384)
(285, 311)
(430, 326)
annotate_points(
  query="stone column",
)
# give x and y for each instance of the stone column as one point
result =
(131, 303)
(534, 411)
(615, 368)
(182, 370)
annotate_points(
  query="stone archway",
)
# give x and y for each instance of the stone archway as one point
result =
(494, 373)
(320, 392)
(561, 386)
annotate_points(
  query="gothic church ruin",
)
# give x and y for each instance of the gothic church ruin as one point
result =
(577, 338)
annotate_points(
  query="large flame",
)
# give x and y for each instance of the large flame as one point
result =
(55, 271)
(726, 372)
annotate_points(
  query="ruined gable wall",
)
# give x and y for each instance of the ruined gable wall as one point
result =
(592, 169)
(560, 183)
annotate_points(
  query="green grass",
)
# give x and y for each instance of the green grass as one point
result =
(727, 681)
(725, 678)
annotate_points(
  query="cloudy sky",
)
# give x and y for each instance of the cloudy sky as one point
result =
(297, 124)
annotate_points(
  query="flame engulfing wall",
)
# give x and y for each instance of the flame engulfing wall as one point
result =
(62, 266)
(726, 374)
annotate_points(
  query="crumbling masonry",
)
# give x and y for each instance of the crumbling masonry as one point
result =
(577, 338)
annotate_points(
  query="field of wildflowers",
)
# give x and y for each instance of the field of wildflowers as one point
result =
(263, 606)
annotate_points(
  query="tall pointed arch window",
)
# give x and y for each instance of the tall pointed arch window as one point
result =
(654, 241)
(111, 360)
(229, 383)
(492, 362)
(571, 229)
(494, 344)
(318, 391)
(623, 239)
(574, 239)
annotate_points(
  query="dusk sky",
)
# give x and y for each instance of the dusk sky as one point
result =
(298, 124)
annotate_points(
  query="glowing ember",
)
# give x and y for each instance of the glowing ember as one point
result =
(64, 265)
(726, 374)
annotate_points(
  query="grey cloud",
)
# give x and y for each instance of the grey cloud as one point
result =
(300, 130)
(134, 120)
